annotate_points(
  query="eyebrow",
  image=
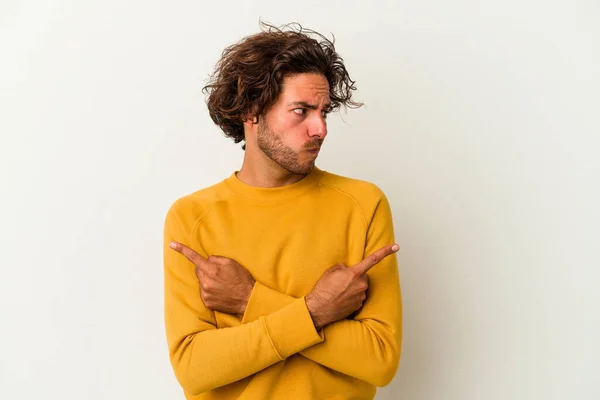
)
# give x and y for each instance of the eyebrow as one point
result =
(326, 106)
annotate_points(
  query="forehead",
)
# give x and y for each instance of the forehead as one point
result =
(309, 87)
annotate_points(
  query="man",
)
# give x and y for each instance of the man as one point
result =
(281, 281)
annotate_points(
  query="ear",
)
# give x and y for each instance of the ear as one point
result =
(249, 122)
(251, 117)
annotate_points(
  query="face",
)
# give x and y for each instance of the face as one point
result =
(294, 128)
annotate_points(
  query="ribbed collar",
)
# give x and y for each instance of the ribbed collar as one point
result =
(273, 194)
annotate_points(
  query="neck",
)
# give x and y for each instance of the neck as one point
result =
(265, 173)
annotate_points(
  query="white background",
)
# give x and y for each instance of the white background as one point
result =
(481, 124)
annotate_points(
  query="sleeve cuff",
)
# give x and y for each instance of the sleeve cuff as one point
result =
(264, 301)
(291, 329)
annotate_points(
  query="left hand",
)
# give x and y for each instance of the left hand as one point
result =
(225, 285)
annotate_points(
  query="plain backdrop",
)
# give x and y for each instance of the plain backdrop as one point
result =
(481, 124)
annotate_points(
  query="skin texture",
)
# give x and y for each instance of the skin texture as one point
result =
(278, 143)
(281, 149)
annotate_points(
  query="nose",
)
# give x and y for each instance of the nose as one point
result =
(318, 127)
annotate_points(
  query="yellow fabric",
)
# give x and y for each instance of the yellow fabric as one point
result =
(286, 237)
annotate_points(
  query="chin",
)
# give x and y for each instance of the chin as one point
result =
(308, 168)
(302, 169)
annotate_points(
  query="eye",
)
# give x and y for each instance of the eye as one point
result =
(300, 111)
(324, 114)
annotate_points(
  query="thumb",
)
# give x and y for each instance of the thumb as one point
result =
(336, 267)
(220, 260)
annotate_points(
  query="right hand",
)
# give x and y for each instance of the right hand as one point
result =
(225, 285)
(342, 290)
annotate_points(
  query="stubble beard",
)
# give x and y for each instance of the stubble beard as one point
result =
(282, 155)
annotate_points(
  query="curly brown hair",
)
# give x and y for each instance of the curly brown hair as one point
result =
(248, 78)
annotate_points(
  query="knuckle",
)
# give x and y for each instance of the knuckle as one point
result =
(331, 270)
(210, 273)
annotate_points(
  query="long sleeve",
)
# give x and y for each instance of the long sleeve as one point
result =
(368, 347)
(204, 357)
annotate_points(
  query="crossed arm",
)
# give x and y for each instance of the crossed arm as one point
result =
(276, 326)
(365, 347)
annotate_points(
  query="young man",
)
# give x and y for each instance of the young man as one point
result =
(281, 281)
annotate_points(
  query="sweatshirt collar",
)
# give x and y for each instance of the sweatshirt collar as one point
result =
(273, 194)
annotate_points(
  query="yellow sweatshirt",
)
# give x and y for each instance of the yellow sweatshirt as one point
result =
(286, 237)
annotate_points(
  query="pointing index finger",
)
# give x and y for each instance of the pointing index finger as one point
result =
(374, 258)
(188, 253)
